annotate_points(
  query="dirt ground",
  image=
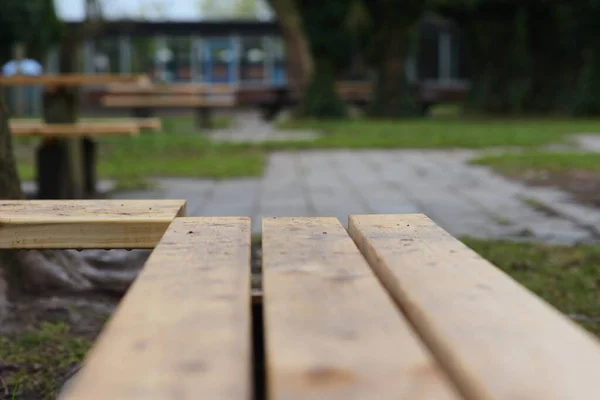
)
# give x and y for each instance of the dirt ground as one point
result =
(583, 185)
(44, 339)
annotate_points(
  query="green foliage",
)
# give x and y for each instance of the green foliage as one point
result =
(332, 46)
(587, 100)
(329, 36)
(564, 276)
(390, 37)
(17, 19)
(519, 86)
(320, 99)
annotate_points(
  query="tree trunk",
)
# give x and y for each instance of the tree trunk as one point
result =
(393, 25)
(392, 97)
(299, 57)
(55, 270)
(321, 99)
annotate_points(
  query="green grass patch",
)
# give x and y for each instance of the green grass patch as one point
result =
(39, 359)
(568, 277)
(177, 151)
(437, 133)
(553, 162)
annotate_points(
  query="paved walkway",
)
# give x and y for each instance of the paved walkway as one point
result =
(249, 127)
(464, 199)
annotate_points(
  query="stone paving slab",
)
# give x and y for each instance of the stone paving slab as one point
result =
(464, 199)
(249, 127)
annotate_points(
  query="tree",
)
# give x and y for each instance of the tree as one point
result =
(530, 56)
(332, 46)
(299, 58)
(17, 18)
(392, 26)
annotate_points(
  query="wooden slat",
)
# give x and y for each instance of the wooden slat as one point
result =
(85, 224)
(78, 129)
(495, 339)
(66, 80)
(331, 330)
(189, 88)
(142, 123)
(165, 101)
(183, 329)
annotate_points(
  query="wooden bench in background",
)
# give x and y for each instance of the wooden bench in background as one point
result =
(24, 127)
(395, 308)
(143, 99)
(54, 160)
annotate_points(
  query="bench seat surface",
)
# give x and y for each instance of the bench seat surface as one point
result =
(494, 338)
(393, 308)
(104, 224)
(183, 329)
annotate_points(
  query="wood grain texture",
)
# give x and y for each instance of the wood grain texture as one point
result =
(66, 80)
(496, 340)
(79, 129)
(85, 224)
(166, 101)
(183, 329)
(331, 330)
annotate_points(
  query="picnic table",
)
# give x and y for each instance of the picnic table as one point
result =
(392, 308)
(66, 158)
(143, 98)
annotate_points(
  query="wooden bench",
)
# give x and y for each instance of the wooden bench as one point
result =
(67, 80)
(57, 167)
(24, 127)
(86, 224)
(142, 99)
(393, 308)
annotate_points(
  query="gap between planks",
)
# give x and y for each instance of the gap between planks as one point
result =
(332, 332)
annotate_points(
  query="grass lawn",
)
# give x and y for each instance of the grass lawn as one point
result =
(573, 172)
(37, 361)
(179, 150)
(438, 133)
(515, 164)
(568, 277)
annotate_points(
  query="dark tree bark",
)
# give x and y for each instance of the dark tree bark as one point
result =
(393, 24)
(299, 58)
(51, 270)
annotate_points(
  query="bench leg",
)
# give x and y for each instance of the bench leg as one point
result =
(51, 166)
(89, 167)
(204, 118)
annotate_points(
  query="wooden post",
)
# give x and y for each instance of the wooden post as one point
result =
(61, 106)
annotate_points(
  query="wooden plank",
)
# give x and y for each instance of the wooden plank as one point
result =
(331, 330)
(111, 123)
(183, 329)
(186, 88)
(495, 339)
(165, 101)
(85, 224)
(79, 129)
(66, 80)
